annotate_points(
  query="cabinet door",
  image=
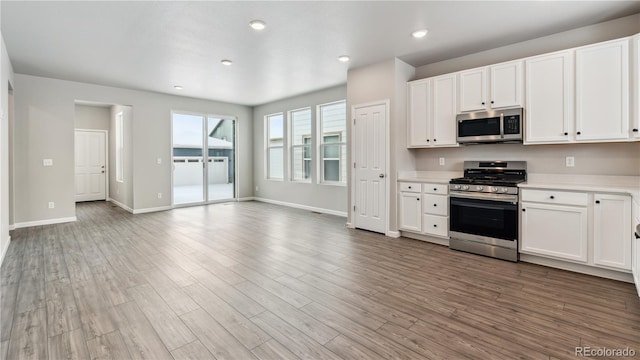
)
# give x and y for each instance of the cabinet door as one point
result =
(549, 89)
(473, 85)
(635, 256)
(554, 230)
(418, 126)
(506, 85)
(635, 123)
(602, 91)
(444, 108)
(410, 211)
(612, 231)
(435, 225)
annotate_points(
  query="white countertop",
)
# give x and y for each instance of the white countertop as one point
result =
(434, 177)
(593, 183)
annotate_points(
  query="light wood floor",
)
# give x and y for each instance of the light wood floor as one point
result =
(252, 280)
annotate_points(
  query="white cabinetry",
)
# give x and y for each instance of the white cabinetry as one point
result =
(611, 231)
(549, 96)
(555, 230)
(635, 256)
(602, 91)
(635, 123)
(503, 83)
(432, 112)
(410, 207)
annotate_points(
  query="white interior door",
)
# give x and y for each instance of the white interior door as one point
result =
(370, 191)
(90, 161)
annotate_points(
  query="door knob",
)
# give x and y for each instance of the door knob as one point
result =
(103, 171)
(381, 176)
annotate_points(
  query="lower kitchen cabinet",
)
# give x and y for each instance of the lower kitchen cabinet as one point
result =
(410, 211)
(435, 225)
(555, 230)
(611, 235)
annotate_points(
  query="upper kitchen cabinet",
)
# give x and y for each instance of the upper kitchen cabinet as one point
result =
(432, 112)
(602, 91)
(503, 83)
(549, 95)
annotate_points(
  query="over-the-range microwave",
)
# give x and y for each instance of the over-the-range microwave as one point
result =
(491, 126)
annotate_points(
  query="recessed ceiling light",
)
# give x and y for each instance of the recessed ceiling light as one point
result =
(226, 62)
(177, 87)
(419, 33)
(257, 25)
(343, 58)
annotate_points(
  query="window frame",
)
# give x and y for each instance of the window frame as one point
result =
(268, 147)
(292, 147)
(321, 145)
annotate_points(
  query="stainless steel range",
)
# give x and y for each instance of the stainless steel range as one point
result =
(484, 208)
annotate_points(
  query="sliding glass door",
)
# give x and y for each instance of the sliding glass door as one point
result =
(203, 153)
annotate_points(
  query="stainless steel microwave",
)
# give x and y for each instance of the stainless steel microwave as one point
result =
(491, 126)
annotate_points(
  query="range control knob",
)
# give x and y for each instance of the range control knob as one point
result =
(494, 189)
(503, 190)
(480, 188)
(465, 187)
(456, 187)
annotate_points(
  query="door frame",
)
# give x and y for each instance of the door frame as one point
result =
(205, 157)
(106, 158)
(387, 151)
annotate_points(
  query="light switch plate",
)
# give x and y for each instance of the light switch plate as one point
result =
(159, 161)
(441, 161)
(47, 162)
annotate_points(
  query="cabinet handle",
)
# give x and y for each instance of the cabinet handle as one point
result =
(427, 140)
(597, 201)
(409, 187)
(435, 189)
(635, 130)
(524, 209)
(492, 101)
(435, 204)
(434, 225)
(483, 103)
(418, 199)
(578, 133)
(434, 140)
(552, 197)
(565, 134)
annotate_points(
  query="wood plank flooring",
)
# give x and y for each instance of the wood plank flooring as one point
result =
(257, 281)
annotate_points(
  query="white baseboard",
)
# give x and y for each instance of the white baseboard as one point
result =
(121, 205)
(4, 250)
(584, 269)
(303, 207)
(393, 234)
(249, 198)
(12, 227)
(350, 225)
(148, 210)
(44, 222)
(426, 238)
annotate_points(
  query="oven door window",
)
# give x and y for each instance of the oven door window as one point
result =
(495, 219)
(479, 127)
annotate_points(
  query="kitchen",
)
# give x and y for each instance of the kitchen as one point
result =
(518, 130)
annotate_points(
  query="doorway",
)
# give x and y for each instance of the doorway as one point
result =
(204, 153)
(90, 165)
(370, 152)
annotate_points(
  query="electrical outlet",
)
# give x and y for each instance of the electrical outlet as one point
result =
(159, 195)
(257, 189)
(570, 161)
(159, 161)
(441, 161)
(52, 205)
(47, 162)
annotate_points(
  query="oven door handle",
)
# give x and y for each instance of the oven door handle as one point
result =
(499, 205)
(513, 199)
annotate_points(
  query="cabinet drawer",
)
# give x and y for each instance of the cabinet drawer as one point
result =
(555, 197)
(410, 187)
(435, 204)
(442, 189)
(435, 225)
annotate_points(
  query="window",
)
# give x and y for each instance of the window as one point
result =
(275, 146)
(119, 147)
(333, 130)
(301, 142)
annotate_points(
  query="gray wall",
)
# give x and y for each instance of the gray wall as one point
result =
(89, 117)
(608, 30)
(122, 192)
(6, 78)
(603, 159)
(44, 114)
(385, 81)
(327, 197)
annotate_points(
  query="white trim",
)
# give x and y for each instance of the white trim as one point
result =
(393, 234)
(387, 150)
(119, 204)
(4, 250)
(153, 209)
(303, 207)
(44, 222)
(248, 198)
(350, 225)
(425, 238)
(12, 227)
(584, 269)
(267, 147)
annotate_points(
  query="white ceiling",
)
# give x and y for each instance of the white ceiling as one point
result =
(154, 45)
